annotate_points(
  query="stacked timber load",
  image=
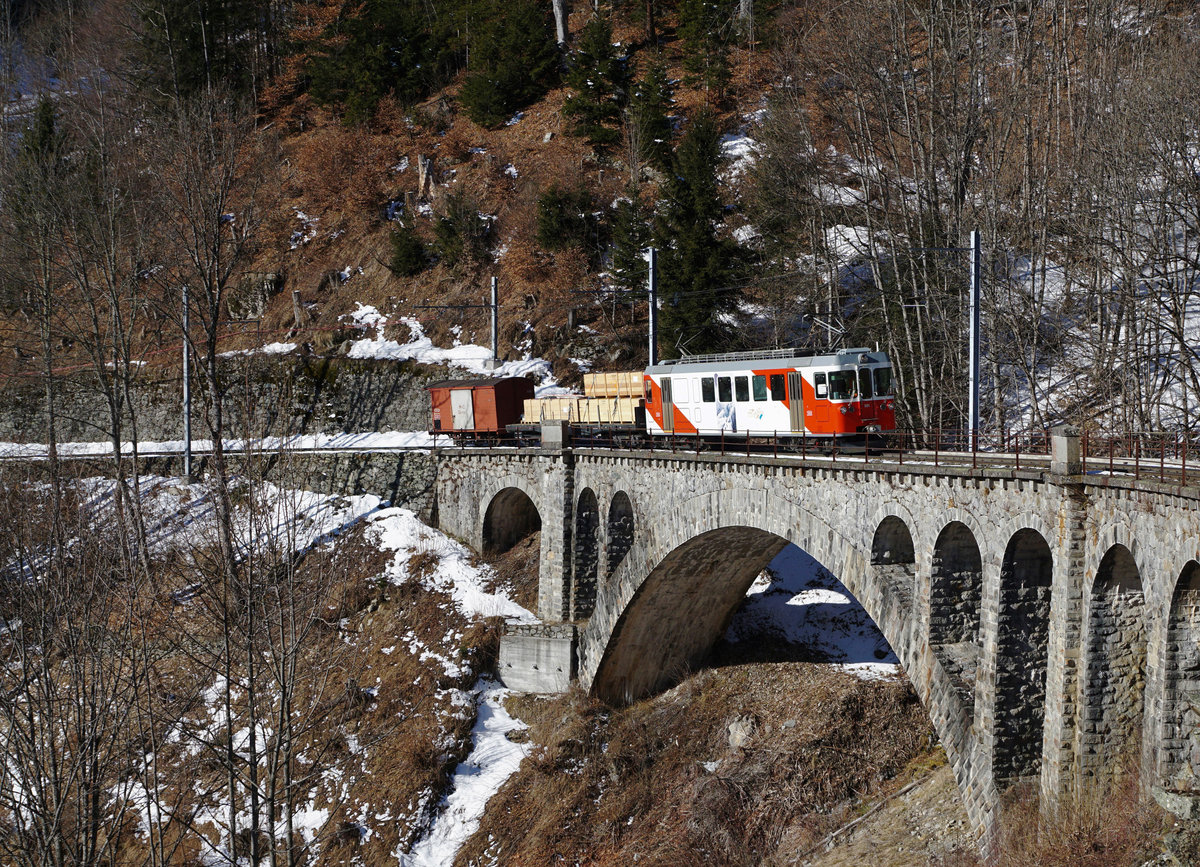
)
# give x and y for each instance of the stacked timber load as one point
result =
(539, 409)
(609, 398)
(624, 384)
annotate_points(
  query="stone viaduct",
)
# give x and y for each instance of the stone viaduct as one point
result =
(1047, 619)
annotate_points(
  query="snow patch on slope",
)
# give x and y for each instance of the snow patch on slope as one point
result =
(420, 348)
(798, 601)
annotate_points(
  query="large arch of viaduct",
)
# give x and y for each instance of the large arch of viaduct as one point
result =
(991, 586)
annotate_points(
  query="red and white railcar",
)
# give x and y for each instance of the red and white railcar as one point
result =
(775, 392)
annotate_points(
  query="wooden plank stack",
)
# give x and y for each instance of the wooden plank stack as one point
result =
(609, 398)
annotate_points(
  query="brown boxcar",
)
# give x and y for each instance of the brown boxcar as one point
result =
(478, 405)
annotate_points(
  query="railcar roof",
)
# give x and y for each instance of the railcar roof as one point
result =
(766, 360)
(470, 383)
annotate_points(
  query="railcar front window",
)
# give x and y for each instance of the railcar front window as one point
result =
(724, 389)
(778, 389)
(883, 381)
(864, 381)
(841, 384)
(759, 385)
(741, 388)
(706, 391)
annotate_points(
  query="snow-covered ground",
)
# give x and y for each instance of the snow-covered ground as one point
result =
(799, 602)
(370, 441)
(420, 348)
(493, 760)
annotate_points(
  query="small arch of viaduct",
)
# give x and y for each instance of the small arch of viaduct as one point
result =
(993, 554)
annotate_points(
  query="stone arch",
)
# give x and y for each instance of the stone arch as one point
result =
(955, 603)
(1023, 633)
(1179, 763)
(1114, 685)
(511, 515)
(843, 548)
(680, 610)
(586, 545)
(956, 587)
(892, 544)
(620, 530)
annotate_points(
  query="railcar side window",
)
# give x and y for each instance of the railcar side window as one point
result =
(883, 381)
(724, 389)
(841, 384)
(864, 381)
(778, 389)
(649, 390)
(759, 385)
(819, 384)
(706, 390)
(741, 388)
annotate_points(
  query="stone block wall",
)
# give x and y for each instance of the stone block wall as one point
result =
(265, 396)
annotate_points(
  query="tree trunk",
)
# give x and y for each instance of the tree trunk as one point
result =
(561, 11)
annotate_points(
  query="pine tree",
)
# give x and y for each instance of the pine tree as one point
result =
(41, 140)
(600, 79)
(706, 27)
(513, 60)
(564, 219)
(631, 235)
(649, 107)
(388, 47)
(410, 256)
(697, 268)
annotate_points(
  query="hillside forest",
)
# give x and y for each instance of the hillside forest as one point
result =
(810, 173)
(235, 672)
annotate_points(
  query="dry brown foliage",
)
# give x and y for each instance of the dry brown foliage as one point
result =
(659, 780)
(1103, 826)
(344, 168)
(517, 570)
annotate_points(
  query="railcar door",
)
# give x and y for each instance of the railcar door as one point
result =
(868, 409)
(668, 407)
(462, 409)
(796, 400)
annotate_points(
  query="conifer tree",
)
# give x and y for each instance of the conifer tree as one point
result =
(631, 235)
(513, 60)
(600, 79)
(649, 106)
(388, 47)
(564, 219)
(697, 267)
(706, 27)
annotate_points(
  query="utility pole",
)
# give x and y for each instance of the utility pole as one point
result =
(495, 323)
(493, 307)
(187, 392)
(973, 343)
(652, 287)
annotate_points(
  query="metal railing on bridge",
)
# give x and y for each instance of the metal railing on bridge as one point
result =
(1168, 457)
